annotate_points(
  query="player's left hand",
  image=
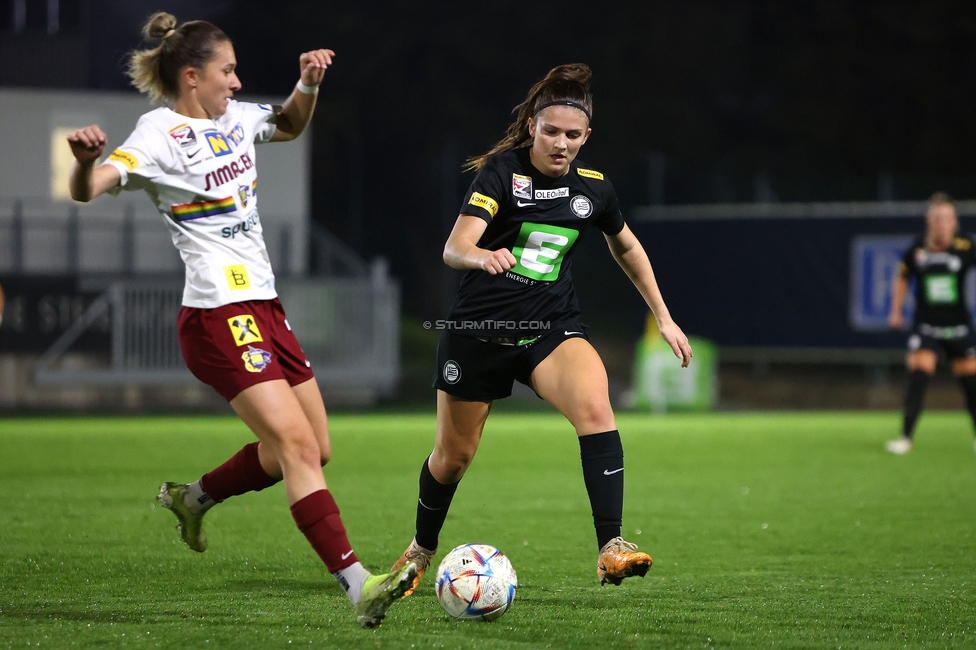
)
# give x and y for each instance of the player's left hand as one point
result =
(674, 337)
(313, 64)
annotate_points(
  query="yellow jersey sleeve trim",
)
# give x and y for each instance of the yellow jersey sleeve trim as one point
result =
(485, 202)
(589, 173)
(124, 157)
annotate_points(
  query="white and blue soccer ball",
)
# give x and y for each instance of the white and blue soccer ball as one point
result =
(476, 581)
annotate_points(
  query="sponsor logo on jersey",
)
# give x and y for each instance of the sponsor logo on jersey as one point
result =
(926, 259)
(244, 329)
(256, 359)
(230, 232)
(218, 142)
(451, 372)
(184, 136)
(484, 202)
(581, 207)
(545, 195)
(190, 211)
(540, 250)
(589, 173)
(124, 157)
(237, 278)
(522, 186)
(227, 173)
(236, 135)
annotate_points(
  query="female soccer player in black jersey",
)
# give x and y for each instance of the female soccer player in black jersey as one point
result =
(939, 261)
(516, 314)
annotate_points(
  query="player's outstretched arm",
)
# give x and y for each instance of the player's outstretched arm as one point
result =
(297, 110)
(632, 258)
(462, 252)
(88, 181)
(899, 289)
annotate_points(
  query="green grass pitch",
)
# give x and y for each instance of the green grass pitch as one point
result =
(767, 530)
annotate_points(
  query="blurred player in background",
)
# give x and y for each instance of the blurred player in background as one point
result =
(939, 261)
(195, 159)
(517, 316)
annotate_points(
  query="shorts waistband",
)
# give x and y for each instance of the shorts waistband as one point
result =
(510, 341)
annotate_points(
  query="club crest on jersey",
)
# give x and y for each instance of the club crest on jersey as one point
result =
(243, 191)
(581, 207)
(558, 193)
(256, 359)
(218, 142)
(184, 136)
(236, 135)
(522, 186)
(452, 372)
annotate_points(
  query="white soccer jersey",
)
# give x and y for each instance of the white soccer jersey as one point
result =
(201, 177)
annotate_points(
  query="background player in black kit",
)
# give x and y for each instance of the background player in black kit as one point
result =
(516, 315)
(939, 261)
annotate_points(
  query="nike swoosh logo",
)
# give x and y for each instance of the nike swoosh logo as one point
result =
(523, 205)
(568, 333)
(191, 155)
(345, 555)
(607, 473)
(427, 506)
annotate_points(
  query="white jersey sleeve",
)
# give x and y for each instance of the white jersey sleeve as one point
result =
(143, 158)
(261, 119)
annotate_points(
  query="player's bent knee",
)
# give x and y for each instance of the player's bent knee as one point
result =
(594, 414)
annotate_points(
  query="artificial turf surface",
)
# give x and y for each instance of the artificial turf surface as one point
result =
(767, 530)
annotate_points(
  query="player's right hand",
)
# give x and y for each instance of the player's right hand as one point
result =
(498, 261)
(896, 321)
(87, 144)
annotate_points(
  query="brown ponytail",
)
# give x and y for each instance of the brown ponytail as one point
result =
(568, 83)
(155, 71)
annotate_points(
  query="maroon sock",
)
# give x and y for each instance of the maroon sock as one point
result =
(317, 516)
(241, 473)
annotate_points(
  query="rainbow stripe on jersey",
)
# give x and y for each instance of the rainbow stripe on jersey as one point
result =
(188, 211)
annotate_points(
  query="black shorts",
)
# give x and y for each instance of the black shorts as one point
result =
(478, 369)
(958, 341)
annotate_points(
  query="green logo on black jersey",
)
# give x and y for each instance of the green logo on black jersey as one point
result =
(941, 290)
(540, 250)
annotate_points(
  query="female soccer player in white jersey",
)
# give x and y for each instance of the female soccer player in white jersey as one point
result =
(195, 158)
(516, 316)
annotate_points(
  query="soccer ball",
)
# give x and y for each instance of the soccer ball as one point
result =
(476, 581)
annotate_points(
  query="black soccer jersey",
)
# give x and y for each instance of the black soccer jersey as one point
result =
(541, 220)
(939, 281)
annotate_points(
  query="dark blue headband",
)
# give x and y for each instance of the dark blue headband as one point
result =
(564, 102)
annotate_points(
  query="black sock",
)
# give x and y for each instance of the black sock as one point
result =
(435, 500)
(917, 383)
(602, 456)
(968, 383)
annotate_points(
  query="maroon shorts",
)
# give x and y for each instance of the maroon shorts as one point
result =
(236, 346)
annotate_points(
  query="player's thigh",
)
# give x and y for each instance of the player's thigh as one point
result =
(272, 411)
(574, 380)
(924, 360)
(310, 398)
(460, 423)
(964, 366)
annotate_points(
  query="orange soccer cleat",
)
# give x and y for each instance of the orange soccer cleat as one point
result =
(620, 559)
(419, 556)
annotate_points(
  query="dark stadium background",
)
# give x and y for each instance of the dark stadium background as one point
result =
(696, 101)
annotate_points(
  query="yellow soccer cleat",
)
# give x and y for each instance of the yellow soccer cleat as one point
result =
(380, 592)
(190, 523)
